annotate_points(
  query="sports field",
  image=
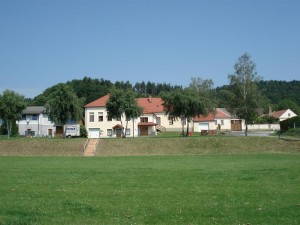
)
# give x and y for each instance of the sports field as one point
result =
(252, 188)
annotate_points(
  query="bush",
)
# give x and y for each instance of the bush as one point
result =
(83, 131)
(295, 132)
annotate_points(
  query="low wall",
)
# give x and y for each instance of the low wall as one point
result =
(263, 127)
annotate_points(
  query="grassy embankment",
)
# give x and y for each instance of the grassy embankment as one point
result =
(173, 145)
(198, 180)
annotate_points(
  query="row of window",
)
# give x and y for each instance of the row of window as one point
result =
(142, 119)
(100, 117)
(111, 133)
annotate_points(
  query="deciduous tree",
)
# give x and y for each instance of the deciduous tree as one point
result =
(11, 107)
(122, 103)
(64, 105)
(242, 97)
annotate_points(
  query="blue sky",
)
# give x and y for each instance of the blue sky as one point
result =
(44, 42)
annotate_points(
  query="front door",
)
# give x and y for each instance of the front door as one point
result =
(50, 132)
(119, 133)
(144, 130)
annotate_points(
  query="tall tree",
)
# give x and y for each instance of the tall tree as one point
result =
(243, 97)
(184, 105)
(11, 107)
(122, 103)
(205, 89)
(64, 105)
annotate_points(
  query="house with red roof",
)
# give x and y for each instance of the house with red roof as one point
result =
(283, 114)
(221, 120)
(153, 119)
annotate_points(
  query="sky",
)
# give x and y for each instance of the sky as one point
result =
(45, 42)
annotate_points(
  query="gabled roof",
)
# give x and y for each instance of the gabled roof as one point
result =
(201, 118)
(278, 114)
(220, 113)
(100, 102)
(150, 105)
(34, 110)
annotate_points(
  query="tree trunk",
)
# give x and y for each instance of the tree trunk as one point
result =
(126, 128)
(8, 129)
(187, 127)
(246, 130)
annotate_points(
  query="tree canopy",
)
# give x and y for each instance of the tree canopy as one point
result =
(11, 107)
(63, 105)
(123, 103)
(243, 97)
(184, 105)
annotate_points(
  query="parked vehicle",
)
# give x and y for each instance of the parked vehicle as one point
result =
(72, 130)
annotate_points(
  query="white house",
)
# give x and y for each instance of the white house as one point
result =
(220, 120)
(36, 123)
(283, 114)
(153, 119)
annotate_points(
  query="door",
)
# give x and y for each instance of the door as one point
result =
(236, 125)
(50, 132)
(118, 133)
(144, 130)
(94, 132)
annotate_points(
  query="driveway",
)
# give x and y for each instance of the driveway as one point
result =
(251, 133)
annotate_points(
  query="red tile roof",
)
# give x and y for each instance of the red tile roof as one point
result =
(278, 114)
(220, 113)
(100, 102)
(209, 117)
(149, 105)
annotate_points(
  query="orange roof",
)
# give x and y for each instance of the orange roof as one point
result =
(220, 113)
(209, 117)
(278, 114)
(149, 105)
(100, 102)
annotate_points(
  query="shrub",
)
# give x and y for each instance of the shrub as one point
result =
(83, 131)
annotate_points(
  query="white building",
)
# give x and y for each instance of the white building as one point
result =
(153, 118)
(36, 123)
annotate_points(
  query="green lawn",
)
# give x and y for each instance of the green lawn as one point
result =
(203, 189)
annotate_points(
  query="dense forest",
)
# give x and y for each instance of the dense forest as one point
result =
(279, 94)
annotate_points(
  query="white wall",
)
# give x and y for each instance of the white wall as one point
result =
(264, 127)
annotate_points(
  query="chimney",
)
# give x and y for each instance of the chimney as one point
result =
(150, 99)
(270, 110)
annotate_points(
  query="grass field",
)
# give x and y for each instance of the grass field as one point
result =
(199, 189)
(161, 180)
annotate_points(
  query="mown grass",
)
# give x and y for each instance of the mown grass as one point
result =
(205, 189)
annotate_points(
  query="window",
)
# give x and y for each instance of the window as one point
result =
(289, 114)
(144, 119)
(222, 122)
(109, 118)
(119, 118)
(216, 122)
(128, 131)
(171, 120)
(109, 132)
(100, 116)
(23, 117)
(34, 117)
(158, 120)
(91, 117)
